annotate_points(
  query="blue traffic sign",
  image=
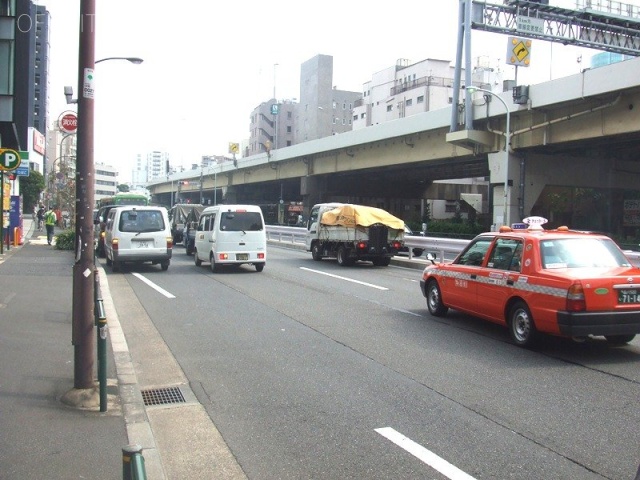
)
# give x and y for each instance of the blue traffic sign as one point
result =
(24, 171)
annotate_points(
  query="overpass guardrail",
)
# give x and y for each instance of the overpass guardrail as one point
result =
(441, 246)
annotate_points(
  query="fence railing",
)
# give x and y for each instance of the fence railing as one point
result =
(441, 246)
(297, 236)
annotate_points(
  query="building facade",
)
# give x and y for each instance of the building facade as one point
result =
(106, 181)
(323, 110)
(157, 165)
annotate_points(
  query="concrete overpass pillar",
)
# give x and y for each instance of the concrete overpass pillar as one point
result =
(231, 195)
(311, 192)
(505, 208)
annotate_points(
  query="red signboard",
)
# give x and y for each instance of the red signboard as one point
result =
(38, 142)
(68, 122)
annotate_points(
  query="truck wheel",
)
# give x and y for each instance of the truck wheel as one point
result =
(315, 252)
(115, 266)
(617, 340)
(343, 257)
(196, 258)
(382, 261)
(259, 267)
(164, 265)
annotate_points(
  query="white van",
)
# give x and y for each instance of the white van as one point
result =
(138, 234)
(231, 235)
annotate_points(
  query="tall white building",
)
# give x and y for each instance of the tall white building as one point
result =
(157, 165)
(139, 173)
(106, 181)
(406, 89)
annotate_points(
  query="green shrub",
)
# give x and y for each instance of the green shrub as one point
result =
(66, 239)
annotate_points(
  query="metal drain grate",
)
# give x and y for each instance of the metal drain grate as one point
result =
(162, 396)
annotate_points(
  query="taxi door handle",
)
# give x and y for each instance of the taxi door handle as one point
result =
(509, 282)
(473, 277)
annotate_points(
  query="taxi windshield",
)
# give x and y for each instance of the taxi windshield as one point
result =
(581, 253)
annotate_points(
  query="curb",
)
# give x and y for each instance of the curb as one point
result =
(133, 409)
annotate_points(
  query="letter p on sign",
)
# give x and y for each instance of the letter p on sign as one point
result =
(9, 159)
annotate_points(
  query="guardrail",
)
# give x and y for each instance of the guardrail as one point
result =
(441, 246)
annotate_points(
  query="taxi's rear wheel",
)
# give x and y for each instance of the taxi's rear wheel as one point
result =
(619, 339)
(521, 326)
(434, 300)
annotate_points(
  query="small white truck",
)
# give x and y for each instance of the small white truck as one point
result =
(350, 233)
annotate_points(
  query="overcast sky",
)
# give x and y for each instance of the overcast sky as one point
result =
(208, 64)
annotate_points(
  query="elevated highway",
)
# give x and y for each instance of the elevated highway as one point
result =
(580, 131)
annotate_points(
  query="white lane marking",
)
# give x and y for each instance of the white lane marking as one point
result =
(426, 456)
(153, 285)
(344, 278)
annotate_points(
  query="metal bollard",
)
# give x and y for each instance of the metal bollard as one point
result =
(133, 463)
(101, 323)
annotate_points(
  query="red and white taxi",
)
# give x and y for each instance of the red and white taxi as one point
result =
(559, 282)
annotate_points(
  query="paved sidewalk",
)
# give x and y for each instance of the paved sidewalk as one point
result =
(44, 439)
(41, 437)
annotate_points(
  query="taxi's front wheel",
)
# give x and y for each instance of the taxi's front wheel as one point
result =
(521, 326)
(434, 300)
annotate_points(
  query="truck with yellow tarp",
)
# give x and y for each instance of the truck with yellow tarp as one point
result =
(350, 233)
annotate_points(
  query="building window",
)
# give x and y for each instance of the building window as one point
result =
(344, 122)
(355, 117)
(344, 106)
(450, 99)
(389, 108)
(421, 99)
(409, 102)
(363, 115)
(288, 129)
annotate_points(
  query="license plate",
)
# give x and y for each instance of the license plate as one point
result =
(628, 295)
(242, 256)
(141, 244)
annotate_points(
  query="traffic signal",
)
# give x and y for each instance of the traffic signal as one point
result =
(12, 176)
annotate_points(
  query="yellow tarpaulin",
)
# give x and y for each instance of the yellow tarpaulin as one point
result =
(352, 215)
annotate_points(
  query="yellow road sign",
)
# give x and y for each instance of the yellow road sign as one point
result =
(519, 51)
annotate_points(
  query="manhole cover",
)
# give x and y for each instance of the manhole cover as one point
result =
(162, 396)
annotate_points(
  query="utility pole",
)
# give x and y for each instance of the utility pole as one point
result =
(83, 336)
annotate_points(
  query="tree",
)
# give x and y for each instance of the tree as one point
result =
(123, 187)
(31, 187)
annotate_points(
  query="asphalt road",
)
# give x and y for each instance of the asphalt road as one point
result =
(311, 370)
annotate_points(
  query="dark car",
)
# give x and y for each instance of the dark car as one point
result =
(99, 222)
(177, 217)
(189, 230)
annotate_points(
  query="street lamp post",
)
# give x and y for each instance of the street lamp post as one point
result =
(507, 143)
(83, 337)
(134, 60)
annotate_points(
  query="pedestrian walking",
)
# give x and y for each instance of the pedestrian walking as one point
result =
(40, 216)
(50, 219)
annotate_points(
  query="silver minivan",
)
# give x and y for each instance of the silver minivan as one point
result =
(138, 234)
(231, 235)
